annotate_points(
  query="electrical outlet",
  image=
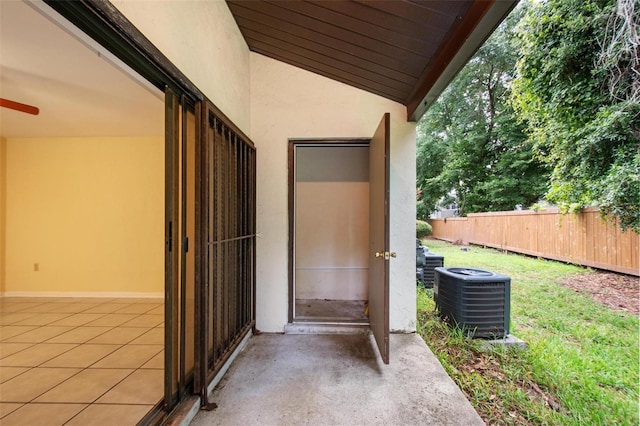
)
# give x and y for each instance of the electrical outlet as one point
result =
(36, 267)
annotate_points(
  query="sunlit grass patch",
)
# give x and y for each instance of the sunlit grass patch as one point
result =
(581, 365)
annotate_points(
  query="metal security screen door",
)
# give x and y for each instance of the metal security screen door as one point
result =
(210, 245)
(229, 223)
(379, 254)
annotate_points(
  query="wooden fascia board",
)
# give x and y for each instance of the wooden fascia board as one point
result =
(477, 25)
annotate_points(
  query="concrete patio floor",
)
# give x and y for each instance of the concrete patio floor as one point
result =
(336, 380)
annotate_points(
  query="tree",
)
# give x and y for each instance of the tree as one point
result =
(589, 137)
(471, 146)
(620, 54)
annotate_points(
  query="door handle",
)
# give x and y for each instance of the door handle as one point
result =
(387, 255)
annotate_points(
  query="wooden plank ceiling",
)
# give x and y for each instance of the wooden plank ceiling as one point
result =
(394, 48)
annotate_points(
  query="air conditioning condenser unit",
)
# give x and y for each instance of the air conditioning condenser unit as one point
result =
(476, 300)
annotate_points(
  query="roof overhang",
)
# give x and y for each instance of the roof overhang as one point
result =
(446, 70)
(404, 50)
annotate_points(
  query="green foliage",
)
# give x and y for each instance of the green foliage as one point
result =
(545, 113)
(582, 361)
(471, 146)
(590, 139)
(423, 229)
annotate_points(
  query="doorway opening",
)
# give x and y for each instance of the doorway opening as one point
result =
(339, 197)
(331, 232)
(81, 228)
(206, 165)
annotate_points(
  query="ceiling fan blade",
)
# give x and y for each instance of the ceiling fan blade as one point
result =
(19, 107)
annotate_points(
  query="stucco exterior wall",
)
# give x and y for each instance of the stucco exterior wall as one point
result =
(287, 102)
(202, 39)
(272, 102)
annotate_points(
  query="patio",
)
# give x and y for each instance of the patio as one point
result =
(336, 379)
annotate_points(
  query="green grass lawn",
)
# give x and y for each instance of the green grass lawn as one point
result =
(581, 366)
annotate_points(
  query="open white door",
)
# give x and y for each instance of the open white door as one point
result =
(379, 253)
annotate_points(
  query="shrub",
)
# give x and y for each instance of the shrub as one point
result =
(423, 229)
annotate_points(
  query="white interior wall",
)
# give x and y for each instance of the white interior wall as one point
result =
(332, 240)
(332, 222)
(75, 226)
(202, 39)
(3, 196)
(287, 102)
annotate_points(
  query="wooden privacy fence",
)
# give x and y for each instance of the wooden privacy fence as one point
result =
(582, 238)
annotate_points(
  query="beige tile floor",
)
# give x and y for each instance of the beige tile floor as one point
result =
(80, 361)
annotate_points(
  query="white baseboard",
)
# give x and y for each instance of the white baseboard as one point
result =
(114, 295)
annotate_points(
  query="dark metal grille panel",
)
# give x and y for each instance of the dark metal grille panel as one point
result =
(230, 171)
